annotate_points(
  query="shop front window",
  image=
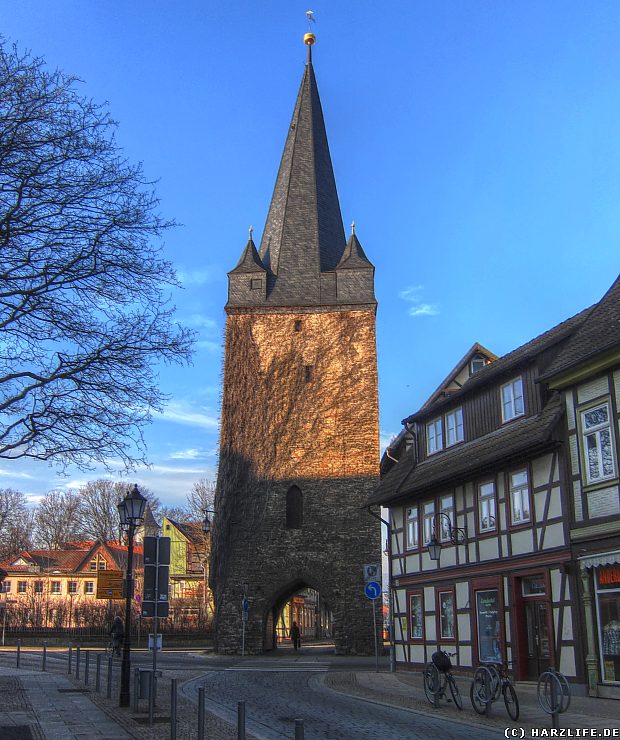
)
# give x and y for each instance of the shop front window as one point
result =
(608, 604)
(487, 613)
(446, 615)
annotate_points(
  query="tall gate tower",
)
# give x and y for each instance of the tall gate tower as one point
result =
(299, 446)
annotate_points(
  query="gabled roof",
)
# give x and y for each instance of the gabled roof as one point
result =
(450, 383)
(192, 531)
(303, 235)
(72, 561)
(597, 335)
(354, 257)
(508, 363)
(514, 440)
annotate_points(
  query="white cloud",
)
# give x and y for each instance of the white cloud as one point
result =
(182, 413)
(190, 454)
(412, 294)
(198, 277)
(13, 474)
(204, 322)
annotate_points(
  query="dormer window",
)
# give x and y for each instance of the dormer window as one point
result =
(477, 363)
(434, 436)
(256, 284)
(512, 400)
(454, 427)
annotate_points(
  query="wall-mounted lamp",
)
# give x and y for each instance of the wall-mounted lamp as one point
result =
(455, 535)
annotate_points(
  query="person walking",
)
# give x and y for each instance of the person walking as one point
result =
(295, 636)
(117, 633)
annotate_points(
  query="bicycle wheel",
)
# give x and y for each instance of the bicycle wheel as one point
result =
(496, 681)
(479, 705)
(454, 690)
(431, 683)
(511, 701)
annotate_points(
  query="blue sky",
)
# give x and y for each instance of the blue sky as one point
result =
(475, 144)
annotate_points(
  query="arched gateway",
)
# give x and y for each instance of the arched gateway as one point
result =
(299, 447)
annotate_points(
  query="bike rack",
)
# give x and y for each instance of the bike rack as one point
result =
(553, 694)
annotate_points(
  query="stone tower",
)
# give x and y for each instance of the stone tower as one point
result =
(299, 446)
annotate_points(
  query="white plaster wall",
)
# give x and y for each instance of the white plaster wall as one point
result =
(540, 499)
(593, 389)
(554, 535)
(427, 563)
(400, 654)
(577, 500)
(417, 654)
(521, 542)
(567, 626)
(411, 563)
(464, 627)
(448, 556)
(540, 470)
(567, 662)
(429, 599)
(462, 595)
(489, 549)
(465, 655)
(603, 502)
(555, 505)
(431, 634)
(396, 567)
(396, 517)
(570, 410)
(556, 583)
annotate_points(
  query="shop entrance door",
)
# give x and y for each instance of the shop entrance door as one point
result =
(538, 637)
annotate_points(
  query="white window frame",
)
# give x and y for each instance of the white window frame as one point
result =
(512, 400)
(520, 498)
(444, 614)
(22, 587)
(6, 587)
(487, 506)
(72, 587)
(89, 587)
(446, 506)
(428, 509)
(56, 587)
(596, 431)
(412, 527)
(454, 427)
(434, 436)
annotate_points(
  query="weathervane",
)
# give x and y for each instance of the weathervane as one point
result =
(311, 18)
(310, 38)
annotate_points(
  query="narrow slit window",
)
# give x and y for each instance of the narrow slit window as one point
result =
(297, 324)
(294, 508)
(307, 373)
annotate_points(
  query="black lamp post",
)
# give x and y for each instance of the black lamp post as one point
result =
(131, 513)
(206, 530)
(456, 536)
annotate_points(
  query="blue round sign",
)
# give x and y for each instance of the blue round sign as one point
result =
(372, 589)
(245, 605)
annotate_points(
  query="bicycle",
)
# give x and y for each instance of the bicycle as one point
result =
(491, 680)
(438, 676)
(113, 648)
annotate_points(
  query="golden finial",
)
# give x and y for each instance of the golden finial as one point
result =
(309, 38)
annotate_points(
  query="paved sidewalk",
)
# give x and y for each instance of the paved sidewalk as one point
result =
(47, 706)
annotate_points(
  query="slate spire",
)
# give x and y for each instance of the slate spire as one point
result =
(303, 235)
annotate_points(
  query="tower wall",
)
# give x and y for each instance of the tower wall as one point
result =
(299, 407)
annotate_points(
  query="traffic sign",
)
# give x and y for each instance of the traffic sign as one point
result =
(371, 572)
(245, 604)
(372, 589)
(109, 584)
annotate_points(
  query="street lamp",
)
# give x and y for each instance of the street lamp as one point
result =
(455, 535)
(131, 514)
(206, 530)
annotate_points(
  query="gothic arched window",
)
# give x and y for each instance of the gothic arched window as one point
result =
(294, 508)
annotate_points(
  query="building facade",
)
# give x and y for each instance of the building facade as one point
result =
(299, 444)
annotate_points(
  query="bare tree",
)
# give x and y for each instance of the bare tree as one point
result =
(200, 499)
(59, 519)
(16, 523)
(84, 306)
(177, 513)
(99, 501)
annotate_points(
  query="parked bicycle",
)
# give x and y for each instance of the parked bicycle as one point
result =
(113, 648)
(491, 680)
(438, 676)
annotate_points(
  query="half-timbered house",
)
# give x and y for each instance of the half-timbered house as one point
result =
(477, 479)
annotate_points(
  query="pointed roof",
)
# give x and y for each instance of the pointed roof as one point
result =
(457, 377)
(249, 261)
(303, 235)
(597, 336)
(354, 257)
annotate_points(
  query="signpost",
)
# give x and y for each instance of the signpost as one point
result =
(110, 584)
(373, 590)
(245, 608)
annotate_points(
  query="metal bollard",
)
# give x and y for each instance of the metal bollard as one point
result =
(152, 680)
(98, 674)
(136, 690)
(299, 729)
(201, 713)
(19, 650)
(109, 689)
(241, 720)
(86, 666)
(69, 662)
(173, 709)
(44, 656)
(77, 662)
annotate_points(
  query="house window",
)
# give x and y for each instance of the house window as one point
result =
(434, 437)
(93, 564)
(72, 587)
(476, 364)
(5, 587)
(486, 506)
(429, 516)
(102, 564)
(56, 587)
(416, 616)
(294, 508)
(256, 284)
(512, 400)
(412, 528)
(519, 497)
(38, 587)
(446, 615)
(89, 587)
(597, 443)
(454, 427)
(488, 619)
(447, 508)
(22, 587)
